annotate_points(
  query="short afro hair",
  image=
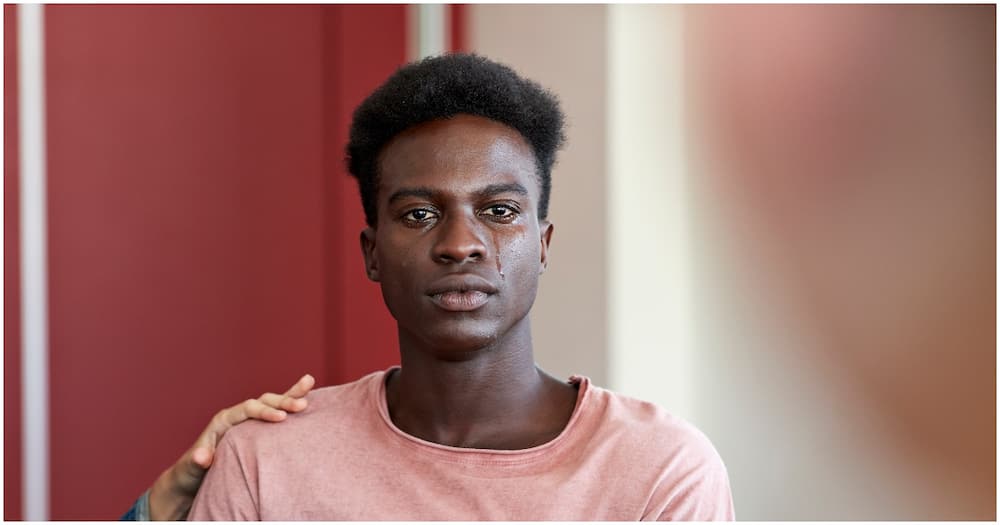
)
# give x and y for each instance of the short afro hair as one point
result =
(441, 87)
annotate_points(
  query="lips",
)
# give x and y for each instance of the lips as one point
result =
(460, 301)
(461, 293)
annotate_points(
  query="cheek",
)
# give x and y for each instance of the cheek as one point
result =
(396, 262)
(520, 255)
(395, 278)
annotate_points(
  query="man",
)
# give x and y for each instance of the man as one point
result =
(453, 157)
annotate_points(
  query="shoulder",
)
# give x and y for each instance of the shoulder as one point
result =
(687, 478)
(651, 426)
(330, 408)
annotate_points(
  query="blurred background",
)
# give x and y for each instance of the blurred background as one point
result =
(779, 222)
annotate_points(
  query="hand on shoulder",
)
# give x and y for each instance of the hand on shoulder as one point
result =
(171, 495)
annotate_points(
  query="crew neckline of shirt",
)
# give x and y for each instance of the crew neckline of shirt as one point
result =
(481, 456)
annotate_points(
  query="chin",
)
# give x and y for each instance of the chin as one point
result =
(460, 346)
(458, 341)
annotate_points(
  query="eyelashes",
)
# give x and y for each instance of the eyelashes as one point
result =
(419, 215)
(502, 213)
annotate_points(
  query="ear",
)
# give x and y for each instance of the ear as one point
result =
(368, 251)
(545, 238)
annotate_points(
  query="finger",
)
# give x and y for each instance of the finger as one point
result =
(232, 416)
(249, 409)
(287, 403)
(257, 409)
(302, 387)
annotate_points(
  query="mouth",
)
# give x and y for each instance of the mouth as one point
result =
(461, 293)
(460, 301)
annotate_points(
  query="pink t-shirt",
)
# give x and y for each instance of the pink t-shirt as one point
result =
(342, 458)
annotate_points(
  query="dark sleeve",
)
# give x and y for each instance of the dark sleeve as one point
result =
(139, 510)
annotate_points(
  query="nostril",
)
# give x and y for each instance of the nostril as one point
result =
(457, 257)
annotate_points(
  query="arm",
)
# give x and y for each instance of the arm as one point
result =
(172, 494)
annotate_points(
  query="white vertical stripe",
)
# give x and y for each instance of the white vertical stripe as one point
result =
(34, 307)
(412, 32)
(432, 24)
(649, 329)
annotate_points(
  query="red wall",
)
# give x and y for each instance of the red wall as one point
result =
(357, 321)
(11, 275)
(458, 32)
(202, 231)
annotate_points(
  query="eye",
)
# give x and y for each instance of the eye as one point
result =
(419, 216)
(499, 212)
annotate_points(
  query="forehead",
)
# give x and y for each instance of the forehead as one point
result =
(458, 154)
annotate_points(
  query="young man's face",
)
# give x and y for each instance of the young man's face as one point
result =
(458, 246)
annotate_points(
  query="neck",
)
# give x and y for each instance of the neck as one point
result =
(494, 397)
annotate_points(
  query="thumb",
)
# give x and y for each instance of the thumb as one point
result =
(202, 457)
(192, 468)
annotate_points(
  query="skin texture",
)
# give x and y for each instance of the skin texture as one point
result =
(172, 494)
(457, 210)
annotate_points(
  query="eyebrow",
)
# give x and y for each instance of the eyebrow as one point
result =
(496, 189)
(424, 193)
(488, 191)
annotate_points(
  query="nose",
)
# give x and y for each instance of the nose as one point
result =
(460, 240)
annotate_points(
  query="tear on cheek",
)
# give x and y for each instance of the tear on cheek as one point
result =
(496, 251)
